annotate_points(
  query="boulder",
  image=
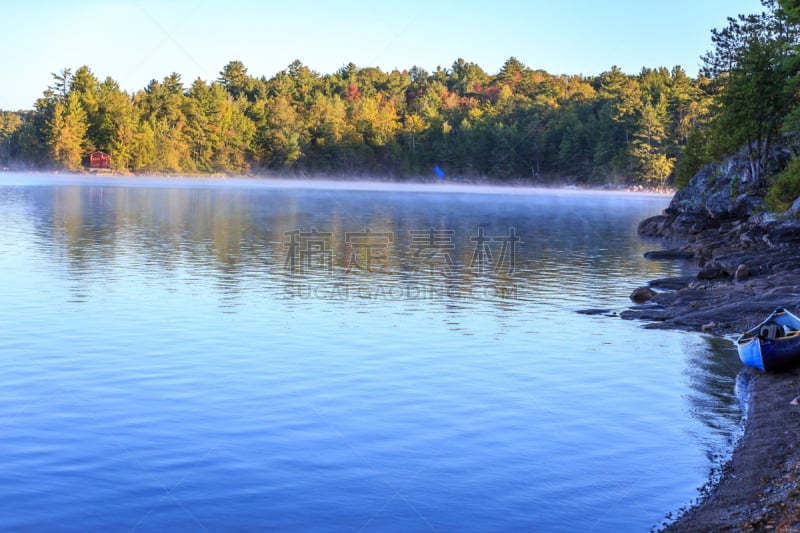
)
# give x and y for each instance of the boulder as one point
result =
(708, 328)
(655, 226)
(742, 272)
(786, 233)
(745, 206)
(719, 205)
(641, 295)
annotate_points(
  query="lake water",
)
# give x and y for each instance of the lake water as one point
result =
(201, 354)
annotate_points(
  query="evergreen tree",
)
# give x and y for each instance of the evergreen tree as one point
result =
(751, 68)
(61, 85)
(118, 124)
(66, 132)
(648, 148)
(86, 85)
(234, 78)
(282, 138)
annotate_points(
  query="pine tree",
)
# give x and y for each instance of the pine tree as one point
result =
(67, 132)
(648, 147)
(117, 124)
(752, 66)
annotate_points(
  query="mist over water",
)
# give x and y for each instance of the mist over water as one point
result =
(243, 354)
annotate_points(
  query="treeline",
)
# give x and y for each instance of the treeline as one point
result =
(518, 124)
(656, 127)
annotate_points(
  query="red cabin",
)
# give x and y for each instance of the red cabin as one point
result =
(99, 159)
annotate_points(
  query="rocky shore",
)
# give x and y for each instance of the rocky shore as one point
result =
(748, 263)
(747, 268)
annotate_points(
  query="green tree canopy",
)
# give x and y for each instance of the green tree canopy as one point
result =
(520, 123)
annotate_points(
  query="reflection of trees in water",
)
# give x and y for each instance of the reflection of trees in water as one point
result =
(164, 233)
(237, 235)
(234, 241)
(712, 369)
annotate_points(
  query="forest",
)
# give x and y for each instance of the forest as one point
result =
(656, 127)
(518, 124)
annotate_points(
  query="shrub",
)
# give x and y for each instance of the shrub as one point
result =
(785, 188)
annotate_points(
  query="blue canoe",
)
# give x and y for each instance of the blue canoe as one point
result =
(772, 345)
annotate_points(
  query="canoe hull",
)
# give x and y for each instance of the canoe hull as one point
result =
(771, 355)
(750, 354)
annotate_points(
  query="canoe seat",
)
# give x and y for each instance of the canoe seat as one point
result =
(771, 331)
(774, 331)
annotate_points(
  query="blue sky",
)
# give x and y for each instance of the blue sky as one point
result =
(134, 41)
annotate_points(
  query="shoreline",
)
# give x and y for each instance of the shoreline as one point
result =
(351, 185)
(747, 267)
(311, 179)
(758, 489)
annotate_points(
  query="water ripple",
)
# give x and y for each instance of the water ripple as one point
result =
(161, 368)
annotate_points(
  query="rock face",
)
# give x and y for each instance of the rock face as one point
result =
(712, 192)
(714, 195)
(748, 259)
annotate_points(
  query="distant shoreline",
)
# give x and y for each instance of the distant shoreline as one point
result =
(372, 183)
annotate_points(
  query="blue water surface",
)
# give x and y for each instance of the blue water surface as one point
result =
(208, 354)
